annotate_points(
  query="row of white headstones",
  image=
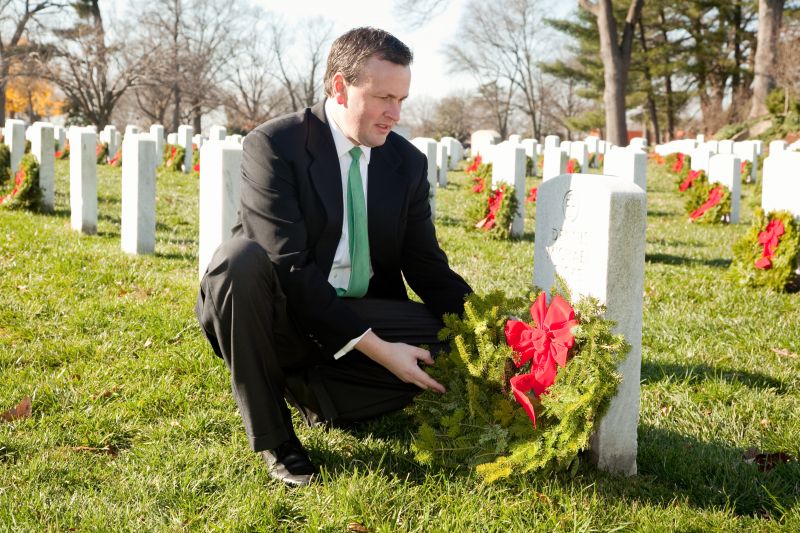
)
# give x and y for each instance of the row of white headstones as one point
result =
(141, 155)
(721, 161)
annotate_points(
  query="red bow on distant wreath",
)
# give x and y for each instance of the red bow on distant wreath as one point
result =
(495, 201)
(678, 166)
(475, 164)
(714, 197)
(689, 181)
(532, 195)
(479, 185)
(545, 344)
(570, 166)
(769, 239)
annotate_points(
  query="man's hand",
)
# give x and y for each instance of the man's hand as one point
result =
(401, 360)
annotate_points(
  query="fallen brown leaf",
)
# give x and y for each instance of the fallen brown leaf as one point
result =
(23, 410)
(109, 450)
(106, 393)
(355, 527)
(783, 352)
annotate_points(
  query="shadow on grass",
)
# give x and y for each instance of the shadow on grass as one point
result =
(669, 259)
(695, 374)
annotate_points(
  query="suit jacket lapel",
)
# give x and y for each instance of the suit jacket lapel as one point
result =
(386, 192)
(326, 178)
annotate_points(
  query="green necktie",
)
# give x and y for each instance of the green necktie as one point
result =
(358, 235)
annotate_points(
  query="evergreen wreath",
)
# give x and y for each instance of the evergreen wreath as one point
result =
(678, 164)
(748, 266)
(5, 164)
(492, 209)
(101, 152)
(700, 193)
(573, 166)
(174, 156)
(686, 182)
(746, 171)
(116, 161)
(195, 159)
(478, 424)
(63, 154)
(25, 193)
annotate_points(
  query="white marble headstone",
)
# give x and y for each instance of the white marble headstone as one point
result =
(555, 163)
(726, 169)
(427, 146)
(627, 164)
(83, 181)
(43, 149)
(15, 139)
(590, 231)
(781, 183)
(509, 168)
(138, 194)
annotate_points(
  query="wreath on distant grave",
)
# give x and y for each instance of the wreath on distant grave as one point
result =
(116, 161)
(101, 152)
(474, 164)
(678, 164)
(746, 170)
(596, 159)
(480, 175)
(195, 159)
(573, 166)
(686, 182)
(492, 209)
(521, 397)
(25, 193)
(708, 203)
(5, 164)
(767, 255)
(174, 156)
(28, 146)
(63, 154)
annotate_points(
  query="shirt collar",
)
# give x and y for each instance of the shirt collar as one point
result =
(343, 144)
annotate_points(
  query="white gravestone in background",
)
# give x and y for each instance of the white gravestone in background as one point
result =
(454, 149)
(217, 133)
(509, 168)
(172, 138)
(639, 143)
(701, 138)
(138, 194)
(591, 143)
(83, 181)
(552, 141)
(725, 169)
(780, 183)
(532, 151)
(157, 134)
(746, 151)
(442, 163)
(43, 149)
(777, 146)
(555, 163)
(427, 146)
(700, 158)
(628, 164)
(219, 195)
(565, 147)
(130, 129)
(60, 135)
(185, 134)
(15, 139)
(590, 231)
(579, 151)
(725, 147)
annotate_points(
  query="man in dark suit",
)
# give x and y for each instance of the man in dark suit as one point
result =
(307, 301)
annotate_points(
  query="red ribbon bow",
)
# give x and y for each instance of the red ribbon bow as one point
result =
(479, 185)
(570, 166)
(495, 201)
(475, 164)
(714, 197)
(532, 195)
(678, 166)
(689, 180)
(769, 239)
(545, 344)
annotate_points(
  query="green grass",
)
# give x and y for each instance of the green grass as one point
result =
(107, 346)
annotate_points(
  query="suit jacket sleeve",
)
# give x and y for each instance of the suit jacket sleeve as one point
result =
(272, 215)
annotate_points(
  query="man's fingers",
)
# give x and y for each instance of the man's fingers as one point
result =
(424, 381)
(425, 356)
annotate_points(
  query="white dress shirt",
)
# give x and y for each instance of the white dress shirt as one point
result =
(340, 270)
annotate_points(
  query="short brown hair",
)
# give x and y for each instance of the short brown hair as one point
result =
(350, 50)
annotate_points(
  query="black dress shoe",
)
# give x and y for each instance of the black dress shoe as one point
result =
(290, 463)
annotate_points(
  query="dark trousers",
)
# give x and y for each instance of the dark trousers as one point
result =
(242, 310)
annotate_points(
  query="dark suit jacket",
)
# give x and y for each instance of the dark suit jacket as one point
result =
(291, 204)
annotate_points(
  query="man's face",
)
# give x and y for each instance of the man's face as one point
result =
(371, 108)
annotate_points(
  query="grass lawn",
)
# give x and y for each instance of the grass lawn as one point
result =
(134, 427)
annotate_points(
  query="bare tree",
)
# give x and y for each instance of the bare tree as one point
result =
(616, 56)
(16, 16)
(498, 45)
(301, 77)
(787, 71)
(770, 13)
(91, 70)
(418, 12)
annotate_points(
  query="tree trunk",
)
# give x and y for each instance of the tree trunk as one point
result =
(651, 100)
(770, 13)
(3, 87)
(616, 57)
